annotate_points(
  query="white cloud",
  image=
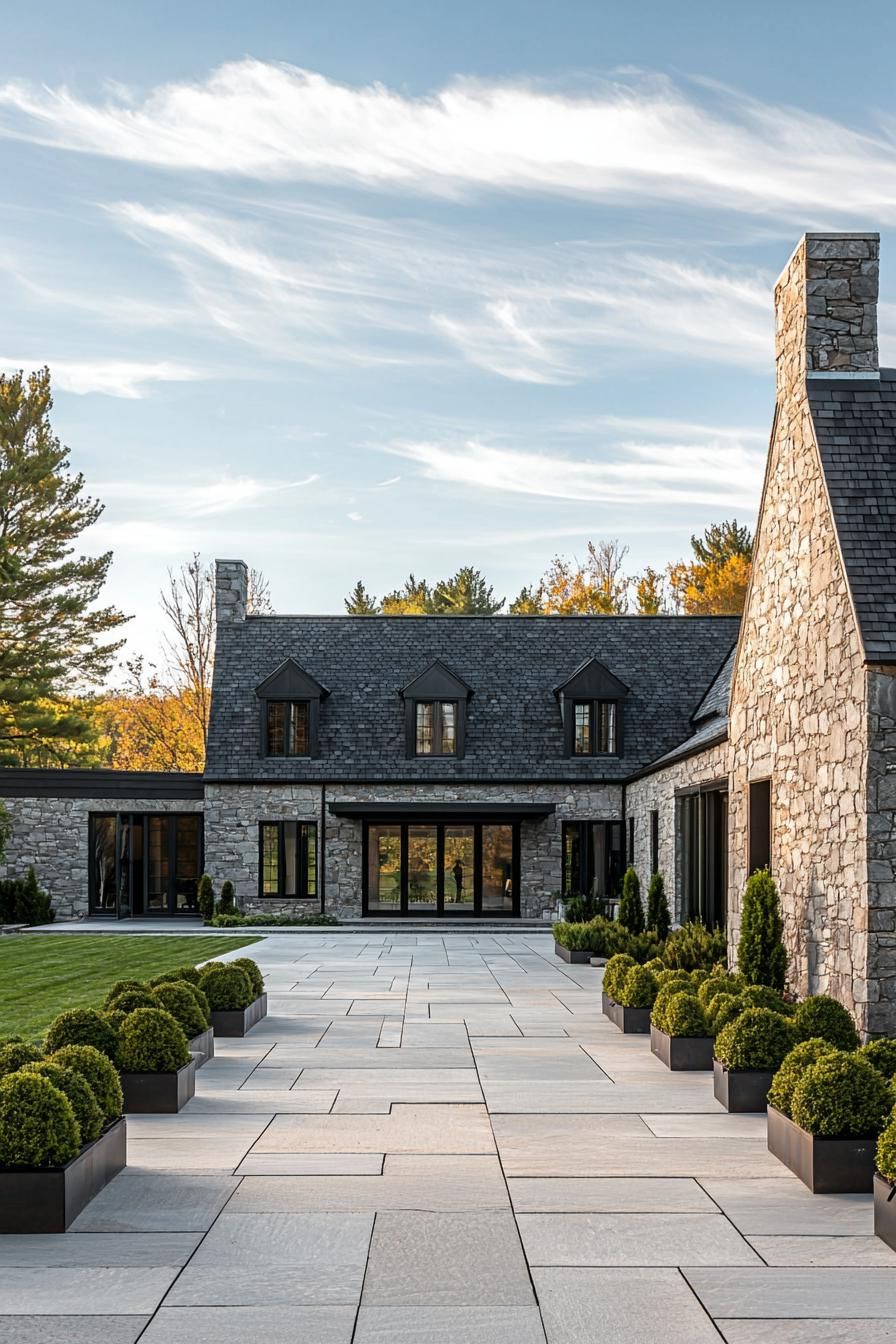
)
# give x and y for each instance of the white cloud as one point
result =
(633, 138)
(355, 517)
(109, 377)
(199, 497)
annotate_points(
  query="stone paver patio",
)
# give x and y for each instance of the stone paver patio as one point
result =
(438, 1138)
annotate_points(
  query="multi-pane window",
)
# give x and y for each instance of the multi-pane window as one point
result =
(435, 728)
(288, 859)
(595, 728)
(287, 728)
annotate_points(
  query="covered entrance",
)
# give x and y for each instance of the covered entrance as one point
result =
(451, 860)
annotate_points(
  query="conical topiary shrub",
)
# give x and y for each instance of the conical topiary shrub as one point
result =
(631, 911)
(658, 917)
(205, 897)
(761, 957)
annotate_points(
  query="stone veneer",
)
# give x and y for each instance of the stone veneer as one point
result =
(798, 697)
(52, 834)
(233, 811)
(660, 793)
(881, 795)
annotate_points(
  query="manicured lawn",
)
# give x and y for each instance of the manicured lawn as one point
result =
(40, 975)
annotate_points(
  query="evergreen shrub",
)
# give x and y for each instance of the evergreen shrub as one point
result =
(37, 1123)
(79, 1092)
(98, 1071)
(615, 971)
(130, 999)
(639, 989)
(693, 946)
(15, 1054)
(761, 956)
(842, 1096)
(757, 1039)
(150, 1041)
(881, 1054)
(227, 987)
(684, 1016)
(631, 911)
(177, 1000)
(886, 1152)
(820, 1015)
(793, 1066)
(253, 971)
(658, 917)
(81, 1026)
(205, 897)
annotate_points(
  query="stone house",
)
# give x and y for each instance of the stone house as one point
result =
(481, 767)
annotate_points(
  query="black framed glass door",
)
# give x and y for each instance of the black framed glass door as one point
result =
(703, 849)
(144, 863)
(434, 868)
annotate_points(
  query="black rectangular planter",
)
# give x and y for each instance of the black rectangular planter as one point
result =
(237, 1023)
(885, 1210)
(50, 1200)
(630, 1021)
(827, 1166)
(158, 1093)
(606, 1005)
(203, 1045)
(741, 1089)
(690, 1054)
(576, 956)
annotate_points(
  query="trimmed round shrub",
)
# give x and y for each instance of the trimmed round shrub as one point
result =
(684, 1016)
(81, 1026)
(639, 989)
(150, 1041)
(37, 1124)
(656, 964)
(15, 1054)
(226, 987)
(177, 1000)
(761, 996)
(256, 979)
(758, 1039)
(79, 1092)
(886, 1152)
(615, 971)
(841, 1096)
(190, 973)
(820, 1015)
(99, 1073)
(668, 976)
(200, 1000)
(881, 1054)
(122, 987)
(115, 1017)
(724, 1009)
(131, 999)
(793, 1066)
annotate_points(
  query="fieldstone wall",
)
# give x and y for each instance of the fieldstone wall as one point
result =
(881, 790)
(52, 834)
(826, 309)
(659, 792)
(798, 699)
(231, 591)
(232, 814)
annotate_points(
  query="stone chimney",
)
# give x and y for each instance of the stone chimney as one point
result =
(826, 309)
(231, 591)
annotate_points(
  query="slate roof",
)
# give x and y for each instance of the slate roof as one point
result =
(514, 729)
(855, 425)
(710, 718)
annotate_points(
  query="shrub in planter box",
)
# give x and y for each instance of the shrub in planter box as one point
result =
(881, 1054)
(15, 1054)
(838, 1108)
(761, 955)
(793, 1066)
(129, 1000)
(885, 1185)
(253, 970)
(718, 982)
(572, 942)
(79, 1092)
(122, 987)
(748, 1052)
(98, 1071)
(630, 1012)
(615, 971)
(679, 1031)
(81, 1026)
(181, 1000)
(158, 1073)
(234, 1006)
(37, 1123)
(693, 946)
(188, 973)
(823, 1016)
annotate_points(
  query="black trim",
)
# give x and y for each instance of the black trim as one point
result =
(474, 909)
(100, 784)
(409, 809)
(301, 859)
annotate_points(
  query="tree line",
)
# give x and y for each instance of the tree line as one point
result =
(59, 644)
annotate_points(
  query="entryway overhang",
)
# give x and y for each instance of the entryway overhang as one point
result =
(447, 810)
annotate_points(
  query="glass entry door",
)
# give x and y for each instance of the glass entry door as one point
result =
(144, 863)
(441, 868)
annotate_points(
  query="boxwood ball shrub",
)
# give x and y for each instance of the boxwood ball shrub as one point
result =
(79, 1092)
(115, 1017)
(615, 971)
(121, 987)
(256, 979)
(881, 1054)
(190, 973)
(639, 988)
(81, 1026)
(758, 1039)
(762, 996)
(179, 1002)
(841, 1096)
(15, 1054)
(684, 1016)
(723, 1009)
(130, 999)
(793, 1066)
(150, 1041)
(820, 1015)
(98, 1071)
(37, 1124)
(886, 1152)
(665, 995)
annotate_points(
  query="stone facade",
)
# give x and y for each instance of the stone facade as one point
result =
(881, 794)
(52, 834)
(231, 591)
(232, 816)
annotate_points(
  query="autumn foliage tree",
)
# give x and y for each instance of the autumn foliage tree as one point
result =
(715, 581)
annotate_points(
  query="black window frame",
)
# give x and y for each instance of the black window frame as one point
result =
(126, 883)
(305, 829)
(440, 824)
(437, 723)
(595, 726)
(654, 841)
(759, 825)
(312, 710)
(702, 840)
(612, 879)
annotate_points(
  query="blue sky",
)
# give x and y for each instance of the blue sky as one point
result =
(351, 290)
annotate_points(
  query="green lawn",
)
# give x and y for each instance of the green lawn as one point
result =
(41, 974)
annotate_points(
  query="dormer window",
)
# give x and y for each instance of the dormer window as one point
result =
(595, 727)
(435, 713)
(289, 704)
(591, 710)
(436, 728)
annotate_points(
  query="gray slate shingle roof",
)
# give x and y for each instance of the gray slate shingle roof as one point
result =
(512, 663)
(855, 424)
(710, 718)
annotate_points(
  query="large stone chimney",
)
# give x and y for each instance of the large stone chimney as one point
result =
(231, 591)
(826, 309)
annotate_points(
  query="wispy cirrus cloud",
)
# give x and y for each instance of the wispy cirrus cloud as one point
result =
(198, 497)
(128, 378)
(631, 138)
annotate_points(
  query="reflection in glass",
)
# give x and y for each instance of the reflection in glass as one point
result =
(157, 876)
(422, 868)
(458, 866)
(424, 730)
(497, 869)
(290, 857)
(275, 727)
(298, 728)
(606, 732)
(582, 742)
(270, 859)
(186, 865)
(104, 864)
(572, 861)
(309, 830)
(449, 728)
(384, 868)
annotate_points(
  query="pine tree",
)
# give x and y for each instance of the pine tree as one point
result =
(359, 602)
(631, 911)
(527, 603)
(658, 917)
(410, 600)
(466, 593)
(761, 955)
(52, 633)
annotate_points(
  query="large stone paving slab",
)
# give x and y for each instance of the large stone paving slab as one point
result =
(279, 1324)
(71, 1329)
(156, 1202)
(607, 1194)
(449, 1325)
(407, 1128)
(66, 1292)
(784, 1293)
(445, 1259)
(621, 1306)
(660, 1239)
(409, 1181)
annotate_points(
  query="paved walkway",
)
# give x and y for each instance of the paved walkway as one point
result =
(440, 1140)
